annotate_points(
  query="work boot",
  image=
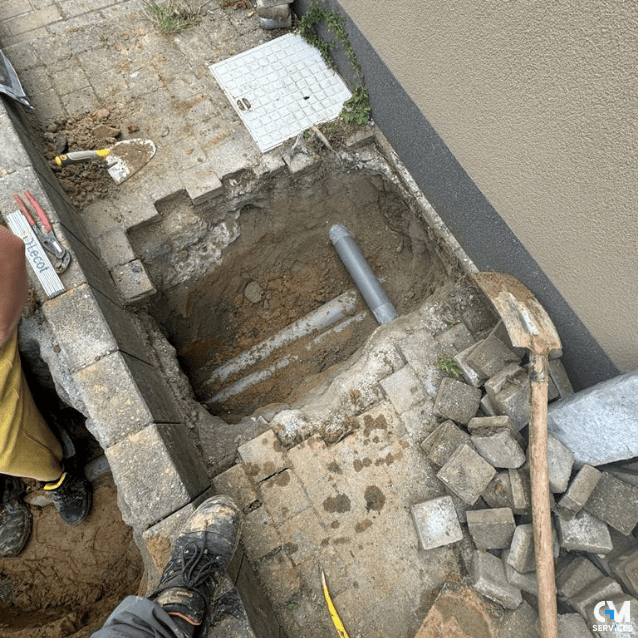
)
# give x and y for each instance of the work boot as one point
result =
(15, 517)
(199, 559)
(72, 497)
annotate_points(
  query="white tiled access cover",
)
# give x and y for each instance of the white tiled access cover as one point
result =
(281, 88)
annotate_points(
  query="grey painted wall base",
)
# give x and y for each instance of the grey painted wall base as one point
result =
(477, 226)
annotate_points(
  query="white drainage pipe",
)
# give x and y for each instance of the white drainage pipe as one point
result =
(316, 321)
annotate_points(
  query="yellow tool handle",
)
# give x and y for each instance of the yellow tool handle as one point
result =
(336, 621)
(76, 157)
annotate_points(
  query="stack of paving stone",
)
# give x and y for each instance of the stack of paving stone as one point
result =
(274, 14)
(480, 450)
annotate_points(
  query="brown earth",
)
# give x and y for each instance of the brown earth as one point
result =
(67, 580)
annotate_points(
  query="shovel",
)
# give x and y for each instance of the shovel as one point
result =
(123, 159)
(529, 326)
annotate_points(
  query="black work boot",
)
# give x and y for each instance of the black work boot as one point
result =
(15, 517)
(72, 497)
(199, 559)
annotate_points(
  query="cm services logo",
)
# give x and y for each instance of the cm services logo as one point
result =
(612, 618)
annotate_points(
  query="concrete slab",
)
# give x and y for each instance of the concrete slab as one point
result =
(599, 425)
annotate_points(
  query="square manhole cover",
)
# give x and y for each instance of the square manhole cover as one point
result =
(280, 89)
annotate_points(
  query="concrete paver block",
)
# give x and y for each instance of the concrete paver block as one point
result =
(615, 502)
(558, 375)
(122, 395)
(510, 393)
(491, 528)
(519, 622)
(115, 248)
(457, 612)
(498, 492)
(601, 589)
(488, 578)
(499, 447)
(454, 340)
(559, 465)
(486, 406)
(466, 474)
(281, 575)
(310, 459)
(404, 389)
(490, 356)
(440, 445)
(157, 471)
(573, 626)
(263, 456)
(625, 569)
(436, 522)
(283, 496)
(585, 533)
(600, 424)
(470, 375)
(259, 536)
(575, 576)
(500, 332)
(521, 554)
(491, 422)
(202, 183)
(520, 490)
(525, 582)
(457, 400)
(579, 490)
(234, 482)
(133, 282)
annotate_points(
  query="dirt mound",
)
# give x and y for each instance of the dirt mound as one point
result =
(88, 181)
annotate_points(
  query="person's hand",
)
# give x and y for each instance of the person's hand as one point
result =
(13, 283)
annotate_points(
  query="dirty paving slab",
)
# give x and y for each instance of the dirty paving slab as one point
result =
(340, 499)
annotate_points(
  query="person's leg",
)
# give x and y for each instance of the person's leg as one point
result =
(28, 447)
(197, 563)
(138, 617)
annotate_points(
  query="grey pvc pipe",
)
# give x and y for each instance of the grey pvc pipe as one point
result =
(362, 274)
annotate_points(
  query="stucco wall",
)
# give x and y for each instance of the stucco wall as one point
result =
(537, 102)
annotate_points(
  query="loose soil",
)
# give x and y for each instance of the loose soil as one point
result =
(67, 580)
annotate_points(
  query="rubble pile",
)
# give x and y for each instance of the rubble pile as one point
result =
(480, 450)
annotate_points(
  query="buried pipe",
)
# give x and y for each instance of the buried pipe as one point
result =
(316, 321)
(362, 274)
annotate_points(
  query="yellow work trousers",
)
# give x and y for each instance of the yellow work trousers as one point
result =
(28, 448)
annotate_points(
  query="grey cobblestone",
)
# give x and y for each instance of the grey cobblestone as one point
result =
(466, 474)
(614, 502)
(404, 389)
(585, 533)
(457, 401)
(443, 441)
(488, 578)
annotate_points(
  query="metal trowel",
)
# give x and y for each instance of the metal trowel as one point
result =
(9, 83)
(123, 159)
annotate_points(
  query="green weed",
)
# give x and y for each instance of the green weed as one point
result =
(447, 364)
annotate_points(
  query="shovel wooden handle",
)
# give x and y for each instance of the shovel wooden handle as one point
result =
(542, 521)
(75, 157)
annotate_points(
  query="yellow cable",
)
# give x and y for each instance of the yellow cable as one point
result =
(336, 621)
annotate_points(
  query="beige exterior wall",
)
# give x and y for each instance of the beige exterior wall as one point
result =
(538, 101)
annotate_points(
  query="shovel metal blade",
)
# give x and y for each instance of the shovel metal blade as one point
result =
(526, 321)
(127, 157)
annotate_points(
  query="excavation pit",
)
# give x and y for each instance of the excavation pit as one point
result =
(246, 283)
